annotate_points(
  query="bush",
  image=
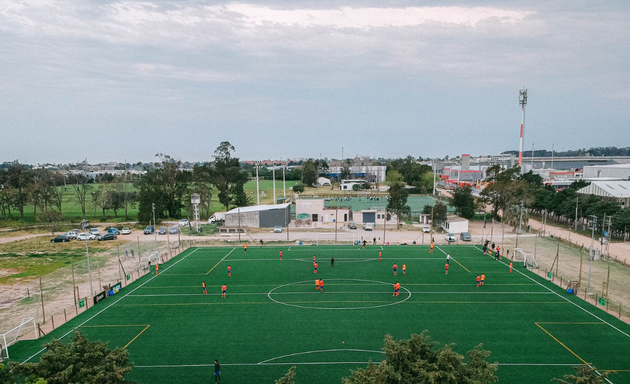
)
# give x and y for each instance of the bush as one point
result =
(299, 188)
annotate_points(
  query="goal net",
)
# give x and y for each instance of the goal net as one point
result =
(146, 260)
(528, 259)
(25, 331)
(343, 238)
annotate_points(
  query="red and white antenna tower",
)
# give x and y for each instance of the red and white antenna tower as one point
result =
(522, 98)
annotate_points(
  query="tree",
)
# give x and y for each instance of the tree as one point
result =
(393, 177)
(345, 169)
(81, 189)
(226, 174)
(52, 219)
(512, 216)
(397, 203)
(289, 378)
(79, 361)
(309, 172)
(418, 360)
(298, 188)
(585, 374)
(464, 202)
(439, 213)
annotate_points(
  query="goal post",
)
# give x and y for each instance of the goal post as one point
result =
(25, 331)
(342, 238)
(146, 260)
(528, 259)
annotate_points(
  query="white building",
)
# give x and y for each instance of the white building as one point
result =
(615, 171)
(609, 190)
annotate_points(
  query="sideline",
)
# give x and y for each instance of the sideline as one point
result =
(107, 307)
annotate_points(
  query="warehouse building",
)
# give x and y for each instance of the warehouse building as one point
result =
(259, 216)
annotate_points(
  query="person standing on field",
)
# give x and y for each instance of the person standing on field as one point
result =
(217, 371)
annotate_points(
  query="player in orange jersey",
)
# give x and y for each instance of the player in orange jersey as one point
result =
(510, 267)
(157, 269)
(404, 269)
(379, 256)
(395, 269)
(478, 280)
(229, 271)
(321, 286)
(446, 268)
(315, 265)
(432, 245)
(483, 278)
(223, 290)
(281, 254)
(205, 288)
(245, 247)
(396, 289)
(317, 284)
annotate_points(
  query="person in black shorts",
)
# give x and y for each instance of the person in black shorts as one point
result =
(332, 262)
(217, 371)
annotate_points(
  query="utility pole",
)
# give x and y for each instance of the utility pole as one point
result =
(520, 222)
(273, 171)
(522, 99)
(593, 224)
(257, 184)
(284, 183)
(87, 253)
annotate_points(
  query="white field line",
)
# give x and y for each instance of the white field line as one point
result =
(107, 307)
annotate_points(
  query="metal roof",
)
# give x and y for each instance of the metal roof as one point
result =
(257, 208)
(617, 189)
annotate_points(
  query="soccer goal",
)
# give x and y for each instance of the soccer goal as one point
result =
(25, 331)
(146, 260)
(528, 259)
(343, 238)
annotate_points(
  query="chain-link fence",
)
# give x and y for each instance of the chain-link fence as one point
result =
(55, 298)
(601, 281)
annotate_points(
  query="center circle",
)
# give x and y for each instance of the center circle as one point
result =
(309, 283)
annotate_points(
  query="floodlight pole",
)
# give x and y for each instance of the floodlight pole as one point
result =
(273, 172)
(284, 182)
(593, 223)
(257, 185)
(522, 98)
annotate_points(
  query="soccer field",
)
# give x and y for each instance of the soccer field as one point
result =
(273, 317)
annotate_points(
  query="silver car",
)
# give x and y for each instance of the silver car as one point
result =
(449, 237)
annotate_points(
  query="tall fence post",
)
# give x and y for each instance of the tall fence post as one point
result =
(41, 297)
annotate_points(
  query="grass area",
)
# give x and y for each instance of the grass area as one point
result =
(273, 318)
(37, 256)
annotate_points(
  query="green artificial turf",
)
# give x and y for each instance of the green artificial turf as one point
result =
(273, 318)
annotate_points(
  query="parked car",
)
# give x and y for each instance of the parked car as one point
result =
(352, 225)
(277, 229)
(125, 231)
(95, 231)
(173, 230)
(368, 227)
(449, 237)
(149, 230)
(86, 236)
(107, 236)
(426, 229)
(113, 230)
(72, 234)
(60, 239)
(162, 231)
(183, 222)
(465, 236)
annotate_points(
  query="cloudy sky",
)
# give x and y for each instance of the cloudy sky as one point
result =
(113, 80)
